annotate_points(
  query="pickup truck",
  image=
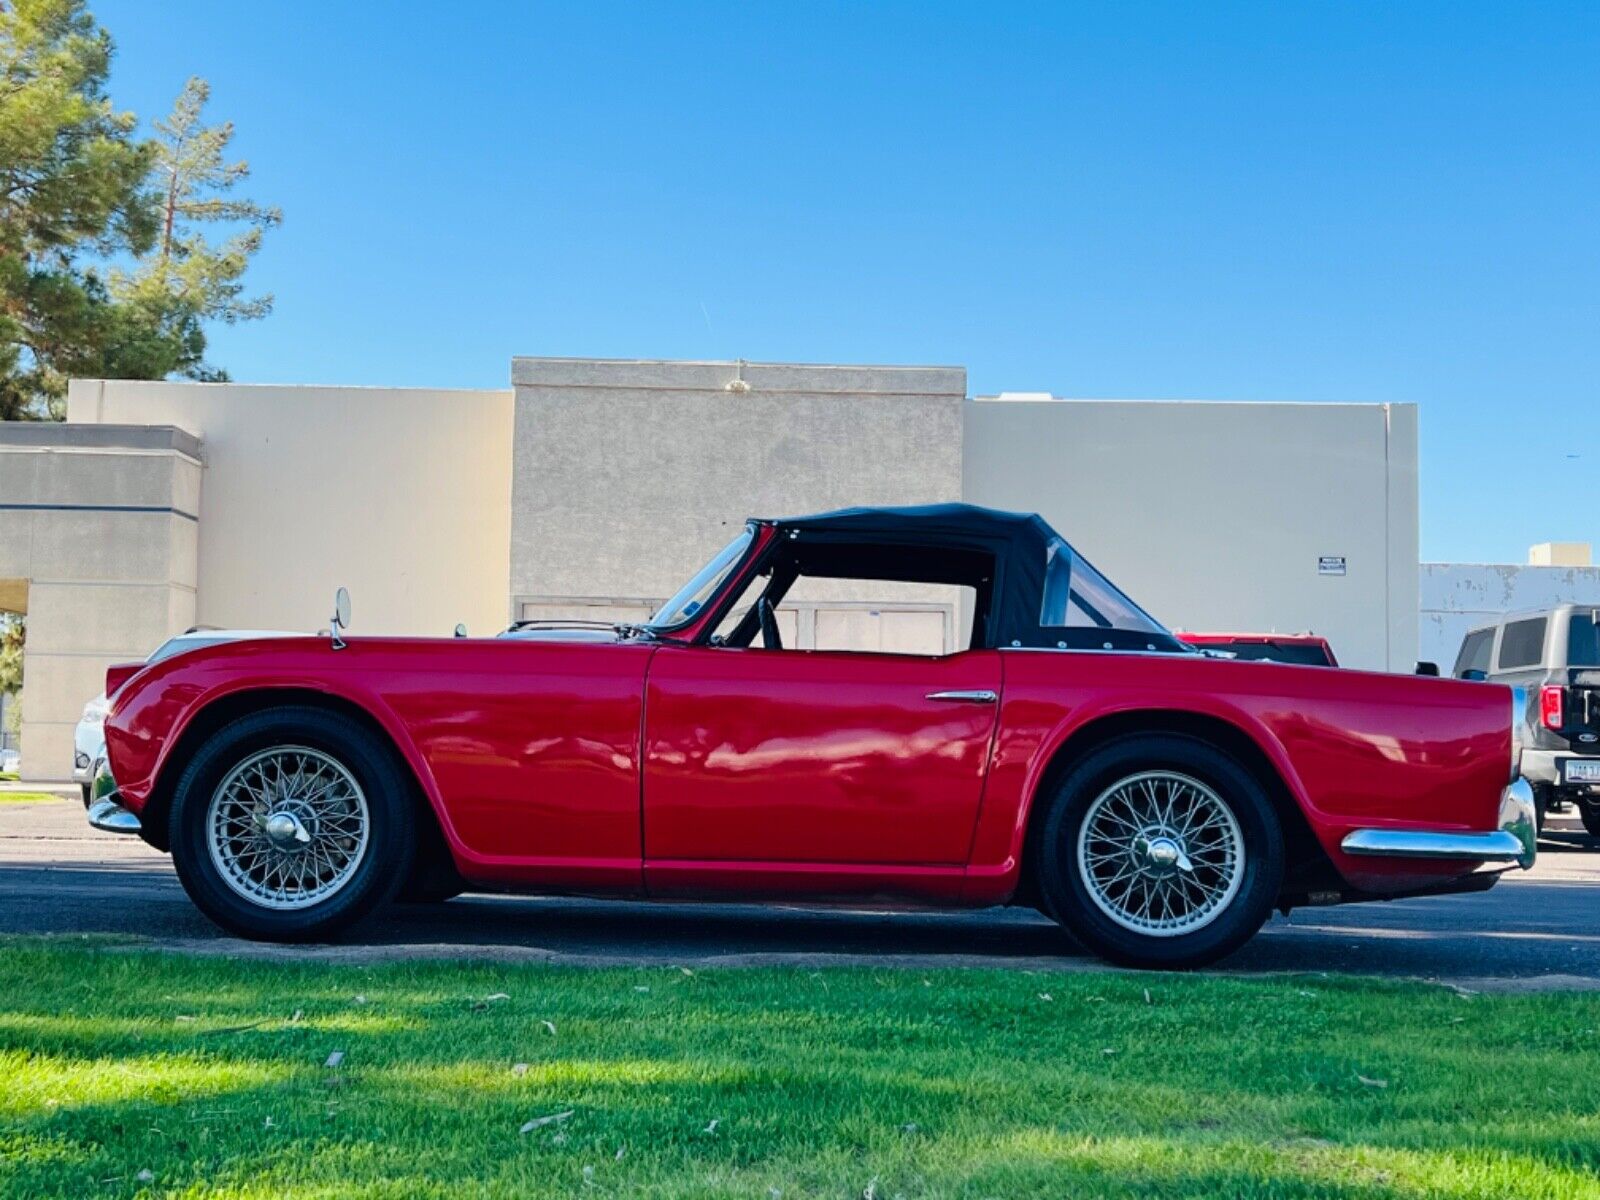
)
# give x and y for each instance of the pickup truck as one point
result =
(1554, 654)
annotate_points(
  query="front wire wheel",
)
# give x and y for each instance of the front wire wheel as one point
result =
(288, 827)
(290, 824)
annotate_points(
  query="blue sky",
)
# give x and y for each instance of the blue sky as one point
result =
(1392, 202)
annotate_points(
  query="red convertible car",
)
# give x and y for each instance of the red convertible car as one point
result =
(1075, 756)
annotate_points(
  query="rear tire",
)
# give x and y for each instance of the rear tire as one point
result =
(291, 824)
(1160, 851)
(1590, 813)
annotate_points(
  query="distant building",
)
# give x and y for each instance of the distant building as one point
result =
(1456, 597)
(595, 488)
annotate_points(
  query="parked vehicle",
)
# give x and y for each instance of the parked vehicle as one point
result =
(89, 739)
(10, 761)
(1554, 655)
(1302, 649)
(1076, 757)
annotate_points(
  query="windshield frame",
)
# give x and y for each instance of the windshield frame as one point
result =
(706, 584)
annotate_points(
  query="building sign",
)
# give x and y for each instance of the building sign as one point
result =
(1330, 564)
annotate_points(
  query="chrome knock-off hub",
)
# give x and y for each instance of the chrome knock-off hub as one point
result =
(1160, 853)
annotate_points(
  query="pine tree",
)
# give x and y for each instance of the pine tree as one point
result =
(184, 270)
(72, 183)
(79, 191)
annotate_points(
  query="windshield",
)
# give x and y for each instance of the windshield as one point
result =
(1078, 596)
(179, 645)
(694, 594)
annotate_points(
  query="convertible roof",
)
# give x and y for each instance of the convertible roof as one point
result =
(959, 520)
(962, 539)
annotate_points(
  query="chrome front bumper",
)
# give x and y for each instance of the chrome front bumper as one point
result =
(1515, 841)
(105, 810)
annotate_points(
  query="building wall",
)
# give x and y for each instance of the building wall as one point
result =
(400, 494)
(98, 539)
(1457, 597)
(1214, 515)
(629, 475)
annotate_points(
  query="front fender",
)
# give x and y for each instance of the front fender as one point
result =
(156, 719)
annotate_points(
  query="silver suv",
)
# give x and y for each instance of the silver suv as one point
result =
(1554, 653)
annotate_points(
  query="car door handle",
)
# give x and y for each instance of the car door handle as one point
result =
(980, 697)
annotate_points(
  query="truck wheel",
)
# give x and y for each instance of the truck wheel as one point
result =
(1591, 818)
(1160, 851)
(290, 824)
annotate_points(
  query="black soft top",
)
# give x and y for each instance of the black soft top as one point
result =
(956, 543)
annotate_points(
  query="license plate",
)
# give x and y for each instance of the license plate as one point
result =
(1580, 770)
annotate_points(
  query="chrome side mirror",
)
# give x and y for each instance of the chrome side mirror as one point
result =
(461, 629)
(341, 618)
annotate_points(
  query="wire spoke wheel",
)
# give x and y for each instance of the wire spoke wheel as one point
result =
(287, 827)
(1160, 853)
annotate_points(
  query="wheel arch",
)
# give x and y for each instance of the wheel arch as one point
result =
(219, 712)
(1307, 865)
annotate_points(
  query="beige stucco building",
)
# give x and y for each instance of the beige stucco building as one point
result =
(596, 487)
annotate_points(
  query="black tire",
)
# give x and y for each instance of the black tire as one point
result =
(368, 758)
(1590, 814)
(88, 794)
(1543, 797)
(1067, 896)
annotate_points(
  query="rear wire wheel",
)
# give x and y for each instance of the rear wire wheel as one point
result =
(1160, 850)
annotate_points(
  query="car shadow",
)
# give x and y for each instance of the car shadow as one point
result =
(1524, 927)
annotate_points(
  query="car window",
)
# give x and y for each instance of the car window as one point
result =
(1474, 654)
(1583, 640)
(1522, 643)
(1078, 596)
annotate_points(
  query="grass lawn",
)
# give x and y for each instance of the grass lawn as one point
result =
(28, 798)
(213, 1076)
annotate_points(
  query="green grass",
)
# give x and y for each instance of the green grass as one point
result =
(759, 1083)
(28, 798)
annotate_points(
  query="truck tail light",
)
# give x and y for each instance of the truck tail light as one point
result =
(1553, 707)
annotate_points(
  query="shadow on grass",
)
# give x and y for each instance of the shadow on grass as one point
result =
(813, 1083)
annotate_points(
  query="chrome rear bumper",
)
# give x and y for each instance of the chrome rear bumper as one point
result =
(1515, 841)
(105, 812)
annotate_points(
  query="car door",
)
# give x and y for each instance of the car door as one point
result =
(786, 760)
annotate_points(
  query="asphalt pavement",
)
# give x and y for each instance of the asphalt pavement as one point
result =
(1535, 929)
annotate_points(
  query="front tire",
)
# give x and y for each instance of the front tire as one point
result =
(1590, 815)
(1160, 851)
(291, 824)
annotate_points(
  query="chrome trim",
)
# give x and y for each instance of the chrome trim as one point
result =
(111, 817)
(101, 785)
(105, 813)
(1521, 730)
(1514, 841)
(977, 697)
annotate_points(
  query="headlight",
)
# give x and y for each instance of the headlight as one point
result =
(1520, 731)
